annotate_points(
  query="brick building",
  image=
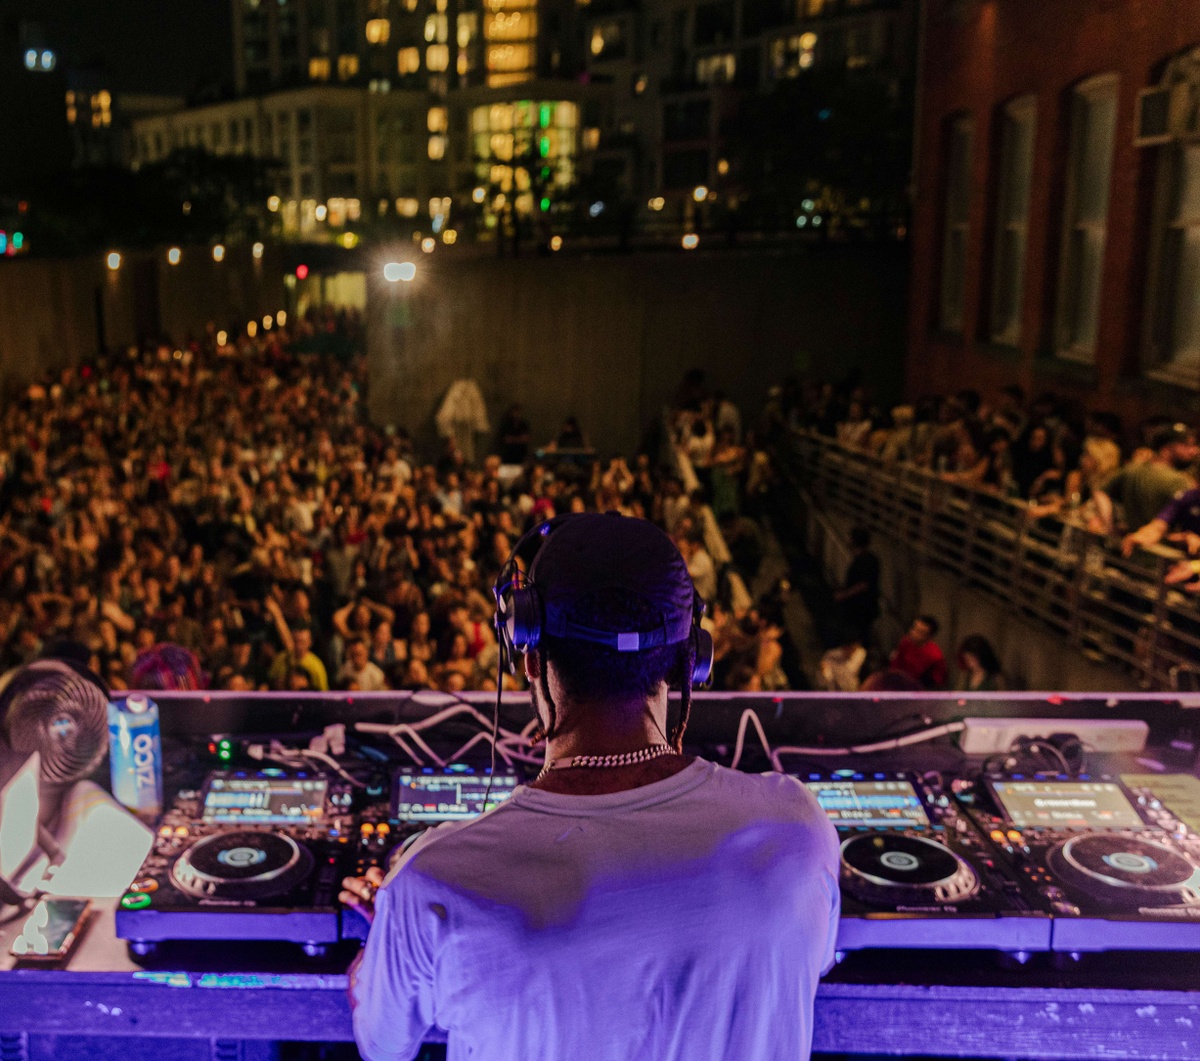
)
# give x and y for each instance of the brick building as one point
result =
(1056, 225)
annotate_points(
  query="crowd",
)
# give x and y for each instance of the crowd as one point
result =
(1135, 484)
(225, 516)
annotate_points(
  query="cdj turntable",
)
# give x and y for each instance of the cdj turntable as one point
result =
(915, 874)
(255, 854)
(1115, 869)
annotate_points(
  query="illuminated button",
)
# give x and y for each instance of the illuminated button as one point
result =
(166, 830)
(181, 830)
(997, 835)
(135, 901)
(1014, 836)
(148, 885)
(366, 828)
(383, 828)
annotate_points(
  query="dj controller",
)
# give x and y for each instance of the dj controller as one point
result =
(1015, 863)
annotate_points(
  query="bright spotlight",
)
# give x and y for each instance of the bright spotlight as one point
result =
(322, 212)
(174, 255)
(391, 272)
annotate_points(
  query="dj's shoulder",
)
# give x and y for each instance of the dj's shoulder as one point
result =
(766, 786)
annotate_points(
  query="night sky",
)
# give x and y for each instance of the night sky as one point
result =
(167, 46)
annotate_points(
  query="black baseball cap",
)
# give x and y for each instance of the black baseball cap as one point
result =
(586, 554)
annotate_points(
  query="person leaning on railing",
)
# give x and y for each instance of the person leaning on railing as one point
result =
(1178, 522)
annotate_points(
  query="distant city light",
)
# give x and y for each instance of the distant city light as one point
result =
(268, 322)
(596, 209)
(808, 204)
(691, 241)
(114, 261)
(301, 272)
(657, 203)
(219, 253)
(257, 250)
(700, 194)
(273, 203)
(222, 338)
(479, 194)
(723, 166)
(556, 243)
(173, 255)
(817, 219)
(49, 60)
(31, 59)
(801, 221)
(281, 318)
(394, 272)
(349, 239)
(18, 240)
(187, 208)
(639, 86)
(427, 244)
(449, 236)
(808, 41)
(252, 329)
(322, 212)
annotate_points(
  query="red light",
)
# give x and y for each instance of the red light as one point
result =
(301, 272)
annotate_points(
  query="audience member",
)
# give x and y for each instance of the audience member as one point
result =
(918, 655)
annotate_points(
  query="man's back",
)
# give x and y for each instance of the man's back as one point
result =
(1143, 489)
(687, 919)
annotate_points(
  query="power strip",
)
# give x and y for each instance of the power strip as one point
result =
(987, 736)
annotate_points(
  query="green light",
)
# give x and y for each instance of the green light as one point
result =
(18, 240)
(545, 204)
(544, 146)
(135, 901)
(545, 116)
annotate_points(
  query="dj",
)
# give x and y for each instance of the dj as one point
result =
(632, 903)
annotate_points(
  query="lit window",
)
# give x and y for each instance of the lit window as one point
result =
(607, 40)
(379, 30)
(510, 58)
(1012, 215)
(437, 58)
(463, 63)
(436, 120)
(716, 69)
(1175, 337)
(347, 67)
(955, 222)
(1093, 125)
(437, 29)
(510, 26)
(408, 60)
(437, 148)
(318, 69)
(467, 26)
(591, 139)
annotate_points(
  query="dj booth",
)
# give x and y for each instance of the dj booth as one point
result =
(1020, 873)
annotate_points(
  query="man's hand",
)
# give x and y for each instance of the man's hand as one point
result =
(359, 892)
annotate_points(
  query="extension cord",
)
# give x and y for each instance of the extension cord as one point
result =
(1109, 736)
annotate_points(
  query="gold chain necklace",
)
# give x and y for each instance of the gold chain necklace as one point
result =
(594, 762)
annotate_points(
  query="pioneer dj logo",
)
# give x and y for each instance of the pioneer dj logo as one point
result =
(143, 760)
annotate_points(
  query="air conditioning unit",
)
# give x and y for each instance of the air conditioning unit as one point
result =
(1167, 113)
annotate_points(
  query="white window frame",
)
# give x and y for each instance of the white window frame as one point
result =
(1018, 116)
(1075, 228)
(956, 223)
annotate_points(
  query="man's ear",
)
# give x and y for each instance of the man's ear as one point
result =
(533, 667)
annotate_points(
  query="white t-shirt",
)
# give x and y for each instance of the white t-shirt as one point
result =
(686, 920)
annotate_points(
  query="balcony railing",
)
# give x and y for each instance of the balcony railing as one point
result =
(1050, 570)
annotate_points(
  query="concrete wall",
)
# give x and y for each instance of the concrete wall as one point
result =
(608, 338)
(51, 311)
(1032, 657)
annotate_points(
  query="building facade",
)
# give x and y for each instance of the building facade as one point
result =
(1056, 221)
(437, 109)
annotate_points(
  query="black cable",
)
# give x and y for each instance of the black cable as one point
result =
(495, 723)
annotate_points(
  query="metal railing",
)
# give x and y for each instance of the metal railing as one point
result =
(1048, 569)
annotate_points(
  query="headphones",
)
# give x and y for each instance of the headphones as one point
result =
(521, 619)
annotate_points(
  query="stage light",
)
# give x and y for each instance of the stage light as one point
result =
(257, 250)
(173, 255)
(222, 338)
(219, 253)
(700, 194)
(394, 272)
(114, 261)
(427, 244)
(556, 243)
(301, 272)
(691, 241)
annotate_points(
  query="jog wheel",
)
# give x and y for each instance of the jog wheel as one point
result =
(242, 865)
(892, 869)
(1126, 870)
